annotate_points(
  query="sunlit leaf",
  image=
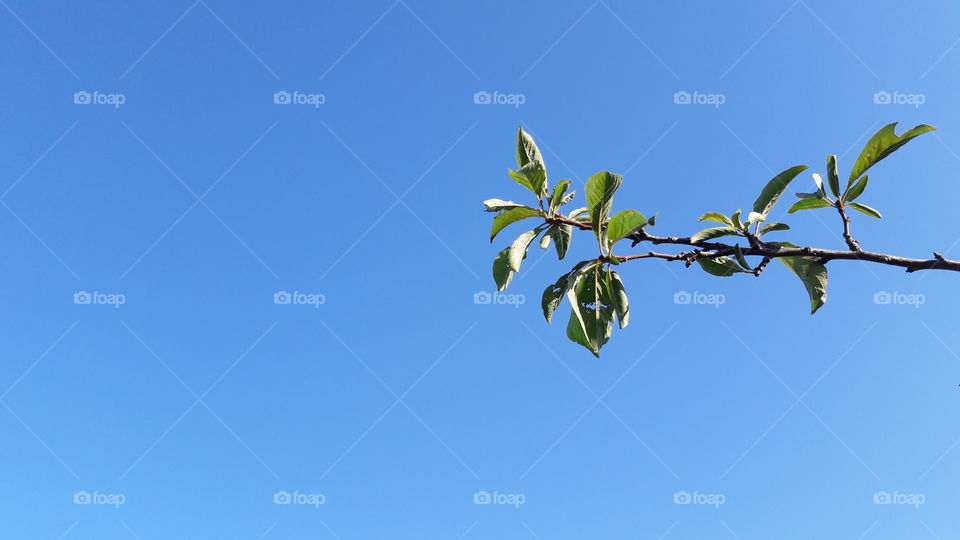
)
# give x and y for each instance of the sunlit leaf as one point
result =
(774, 189)
(882, 144)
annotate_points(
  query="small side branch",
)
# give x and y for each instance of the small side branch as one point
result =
(847, 237)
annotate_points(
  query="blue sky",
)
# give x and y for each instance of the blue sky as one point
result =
(146, 163)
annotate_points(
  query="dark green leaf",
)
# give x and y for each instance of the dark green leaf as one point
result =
(738, 253)
(623, 224)
(856, 189)
(807, 204)
(532, 176)
(814, 278)
(769, 227)
(774, 189)
(600, 190)
(713, 232)
(502, 273)
(591, 311)
(561, 239)
(882, 144)
(862, 208)
(720, 266)
(833, 177)
(511, 215)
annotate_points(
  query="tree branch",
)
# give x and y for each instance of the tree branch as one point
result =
(848, 238)
(769, 251)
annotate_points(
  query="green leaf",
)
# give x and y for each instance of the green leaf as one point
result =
(807, 204)
(720, 266)
(856, 189)
(882, 144)
(864, 209)
(618, 295)
(545, 239)
(713, 232)
(558, 194)
(816, 195)
(553, 294)
(518, 249)
(833, 178)
(738, 254)
(527, 150)
(496, 205)
(623, 224)
(561, 239)
(735, 218)
(774, 189)
(770, 227)
(511, 215)
(814, 278)
(652, 220)
(532, 176)
(716, 216)
(567, 198)
(600, 190)
(577, 212)
(502, 273)
(591, 311)
(819, 182)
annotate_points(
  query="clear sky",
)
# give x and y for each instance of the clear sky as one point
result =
(147, 163)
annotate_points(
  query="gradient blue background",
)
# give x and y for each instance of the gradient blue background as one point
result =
(694, 398)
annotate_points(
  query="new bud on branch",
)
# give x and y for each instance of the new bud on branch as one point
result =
(595, 291)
